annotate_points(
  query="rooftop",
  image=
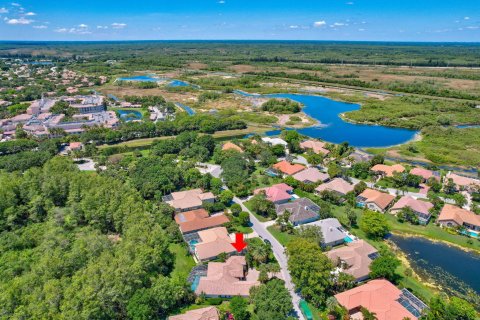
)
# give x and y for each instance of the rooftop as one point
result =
(378, 296)
(301, 209)
(315, 145)
(198, 220)
(382, 200)
(213, 242)
(331, 229)
(311, 174)
(288, 168)
(459, 215)
(228, 279)
(208, 313)
(338, 185)
(357, 256)
(388, 170)
(231, 146)
(414, 204)
(184, 200)
(277, 192)
(462, 181)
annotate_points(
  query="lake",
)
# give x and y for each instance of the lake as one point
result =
(187, 109)
(145, 78)
(333, 128)
(454, 269)
(153, 78)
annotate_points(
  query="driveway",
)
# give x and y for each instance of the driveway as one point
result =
(279, 252)
(392, 191)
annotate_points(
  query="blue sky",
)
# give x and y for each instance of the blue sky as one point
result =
(376, 20)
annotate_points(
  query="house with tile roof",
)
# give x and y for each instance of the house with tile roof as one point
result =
(189, 199)
(316, 146)
(208, 313)
(354, 259)
(375, 200)
(288, 169)
(278, 193)
(197, 220)
(228, 279)
(464, 183)
(213, 242)
(231, 146)
(425, 174)
(452, 216)
(419, 207)
(382, 298)
(337, 185)
(311, 175)
(387, 171)
(301, 211)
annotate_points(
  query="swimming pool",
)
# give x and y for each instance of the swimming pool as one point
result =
(192, 244)
(195, 283)
(347, 239)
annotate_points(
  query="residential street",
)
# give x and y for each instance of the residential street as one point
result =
(278, 250)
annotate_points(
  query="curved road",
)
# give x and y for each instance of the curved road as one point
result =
(279, 253)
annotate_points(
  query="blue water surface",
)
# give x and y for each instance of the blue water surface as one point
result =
(123, 114)
(145, 78)
(333, 128)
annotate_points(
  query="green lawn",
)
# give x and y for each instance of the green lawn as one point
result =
(282, 237)
(244, 230)
(388, 184)
(183, 260)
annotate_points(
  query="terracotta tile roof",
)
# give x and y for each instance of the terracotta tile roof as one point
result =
(288, 168)
(315, 146)
(338, 185)
(75, 145)
(224, 279)
(462, 181)
(276, 193)
(311, 174)
(231, 146)
(414, 204)
(198, 220)
(208, 313)
(184, 200)
(379, 297)
(382, 200)
(388, 170)
(424, 173)
(356, 256)
(460, 216)
(213, 242)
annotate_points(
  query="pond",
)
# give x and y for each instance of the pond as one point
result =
(145, 78)
(452, 268)
(333, 128)
(129, 115)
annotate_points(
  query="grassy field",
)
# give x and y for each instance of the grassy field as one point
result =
(183, 260)
(259, 217)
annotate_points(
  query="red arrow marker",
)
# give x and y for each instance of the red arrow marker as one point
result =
(239, 244)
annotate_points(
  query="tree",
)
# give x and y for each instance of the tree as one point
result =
(244, 219)
(351, 216)
(283, 221)
(271, 300)
(238, 307)
(385, 266)
(262, 206)
(226, 197)
(454, 308)
(367, 315)
(407, 214)
(310, 270)
(377, 159)
(359, 187)
(334, 170)
(312, 233)
(236, 209)
(374, 224)
(257, 252)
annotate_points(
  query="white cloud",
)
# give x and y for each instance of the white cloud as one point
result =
(80, 30)
(83, 26)
(350, 3)
(102, 27)
(318, 24)
(221, 2)
(3, 10)
(466, 18)
(40, 27)
(30, 14)
(16, 4)
(294, 27)
(361, 30)
(21, 20)
(117, 25)
(472, 27)
(339, 24)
